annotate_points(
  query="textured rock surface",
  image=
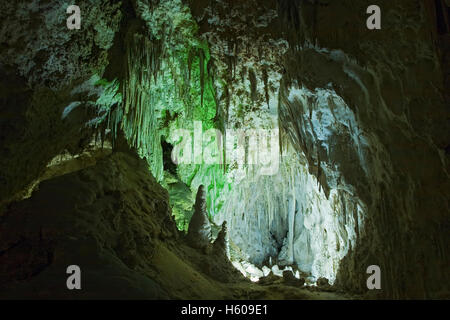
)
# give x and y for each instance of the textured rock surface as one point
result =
(37, 43)
(46, 70)
(93, 219)
(399, 168)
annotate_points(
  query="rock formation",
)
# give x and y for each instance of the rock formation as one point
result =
(220, 246)
(199, 232)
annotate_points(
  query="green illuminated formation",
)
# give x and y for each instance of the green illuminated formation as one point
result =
(107, 104)
(140, 119)
(168, 86)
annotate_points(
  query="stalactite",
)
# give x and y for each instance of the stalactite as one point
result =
(253, 84)
(140, 119)
(190, 60)
(202, 75)
(266, 87)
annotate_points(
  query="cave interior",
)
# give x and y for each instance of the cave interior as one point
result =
(225, 149)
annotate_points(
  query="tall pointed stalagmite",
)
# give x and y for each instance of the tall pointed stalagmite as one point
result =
(199, 232)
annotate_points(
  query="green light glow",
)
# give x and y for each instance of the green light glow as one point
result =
(168, 86)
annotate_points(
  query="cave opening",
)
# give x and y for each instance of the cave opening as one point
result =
(279, 211)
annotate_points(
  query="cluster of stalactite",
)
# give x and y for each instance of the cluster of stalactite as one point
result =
(140, 120)
(166, 85)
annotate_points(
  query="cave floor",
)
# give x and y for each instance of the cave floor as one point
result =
(253, 291)
(282, 292)
(188, 273)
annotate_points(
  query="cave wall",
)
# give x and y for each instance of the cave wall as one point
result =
(392, 81)
(47, 70)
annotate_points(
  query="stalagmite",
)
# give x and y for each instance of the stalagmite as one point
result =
(199, 232)
(220, 247)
